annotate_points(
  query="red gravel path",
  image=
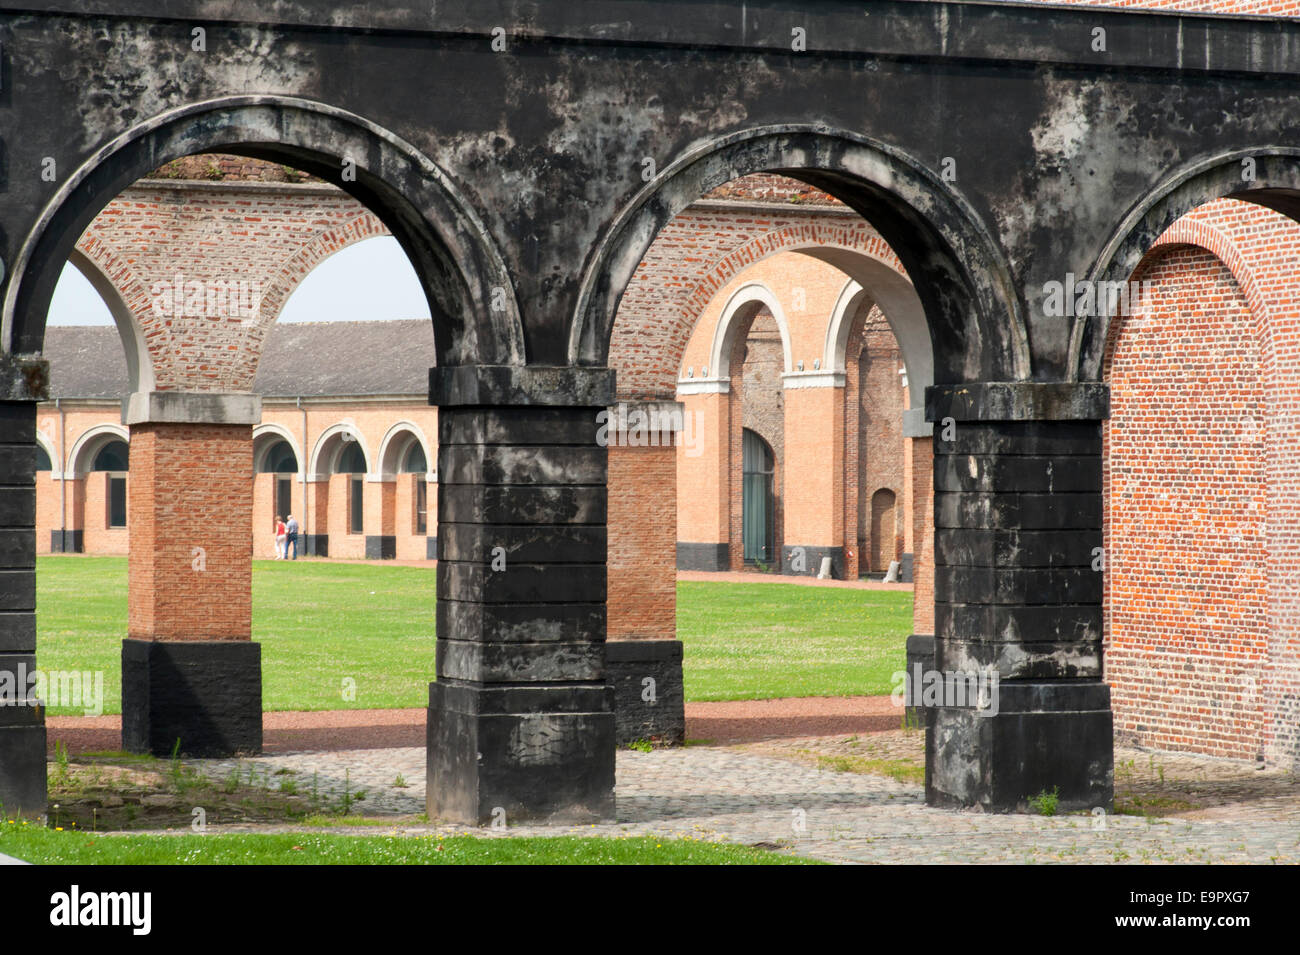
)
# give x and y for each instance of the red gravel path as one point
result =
(740, 721)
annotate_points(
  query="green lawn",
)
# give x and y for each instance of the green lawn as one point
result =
(322, 625)
(48, 847)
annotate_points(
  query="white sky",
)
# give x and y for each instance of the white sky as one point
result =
(369, 281)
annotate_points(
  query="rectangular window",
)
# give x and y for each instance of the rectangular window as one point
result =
(421, 505)
(117, 502)
(283, 497)
(357, 506)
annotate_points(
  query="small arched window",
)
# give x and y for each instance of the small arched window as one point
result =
(279, 459)
(415, 462)
(114, 456)
(352, 460)
(43, 459)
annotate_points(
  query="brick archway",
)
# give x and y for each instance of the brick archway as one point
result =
(964, 292)
(476, 318)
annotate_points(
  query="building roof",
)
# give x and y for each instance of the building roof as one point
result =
(307, 359)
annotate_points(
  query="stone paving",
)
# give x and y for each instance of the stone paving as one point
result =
(726, 793)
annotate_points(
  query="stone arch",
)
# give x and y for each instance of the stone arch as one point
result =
(266, 436)
(743, 303)
(309, 257)
(123, 293)
(56, 466)
(1276, 186)
(394, 447)
(448, 245)
(88, 444)
(975, 317)
(873, 278)
(329, 445)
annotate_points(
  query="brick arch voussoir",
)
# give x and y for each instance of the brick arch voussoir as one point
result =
(365, 225)
(1197, 234)
(135, 295)
(855, 236)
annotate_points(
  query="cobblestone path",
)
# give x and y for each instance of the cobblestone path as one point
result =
(792, 805)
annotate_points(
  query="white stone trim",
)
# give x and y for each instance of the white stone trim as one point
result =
(703, 386)
(813, 379)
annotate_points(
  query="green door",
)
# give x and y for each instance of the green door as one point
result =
(756, 497)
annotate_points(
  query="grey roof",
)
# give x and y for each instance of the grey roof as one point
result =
(347, 358)
(308, 359)
(86, 361)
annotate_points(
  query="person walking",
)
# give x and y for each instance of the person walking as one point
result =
(280, 532)
(291, 528)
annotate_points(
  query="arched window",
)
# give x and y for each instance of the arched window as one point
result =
(279, 459)
(114, 456)
(415, 462)
(758, 465)
(43, 459)
(352, 460)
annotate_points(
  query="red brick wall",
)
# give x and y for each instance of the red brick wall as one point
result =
(642, 589)
(190, 489)
(1187, 590)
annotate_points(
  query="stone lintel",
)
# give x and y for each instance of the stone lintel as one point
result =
(185, 407)
(1019, 401)
(521, 385)
(915, 425)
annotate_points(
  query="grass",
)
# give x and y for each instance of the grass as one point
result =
(361, 636)
(899, 770)
(47, 847)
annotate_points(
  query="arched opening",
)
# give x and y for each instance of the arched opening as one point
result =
(113, 458)
(763, 350)
(884, 548)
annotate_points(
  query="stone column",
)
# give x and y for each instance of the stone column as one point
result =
(190, 670)
(643, 653)
(521, 718)
(22, 719)
(1018, 512)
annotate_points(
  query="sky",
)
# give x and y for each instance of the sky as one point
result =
(371, 280)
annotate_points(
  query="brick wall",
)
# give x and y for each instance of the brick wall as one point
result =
(190, 489)
(642, 580)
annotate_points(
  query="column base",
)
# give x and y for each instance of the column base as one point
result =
(67, 542)
(381, 547)
(316, 545)
(520, 754)
(22, 764)
(1044, 737)
(207, 694)
(650, 711)
(907, 569)
(805, 560)
(710, 557)
(920, 652)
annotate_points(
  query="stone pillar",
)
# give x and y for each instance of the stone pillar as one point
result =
(704, 463)
(814, 475)
(521, 718)
(643, 653)
(381, 518)
(22, 719)
(1018, 512)
(190, 670)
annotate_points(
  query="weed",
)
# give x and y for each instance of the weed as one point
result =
(1045, 803)
(400, 782)
(641, 745)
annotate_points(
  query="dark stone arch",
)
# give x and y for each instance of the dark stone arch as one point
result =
(475, 316)
(1275, 184)
(976, 320)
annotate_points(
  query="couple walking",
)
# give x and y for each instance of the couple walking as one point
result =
(286, 535)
